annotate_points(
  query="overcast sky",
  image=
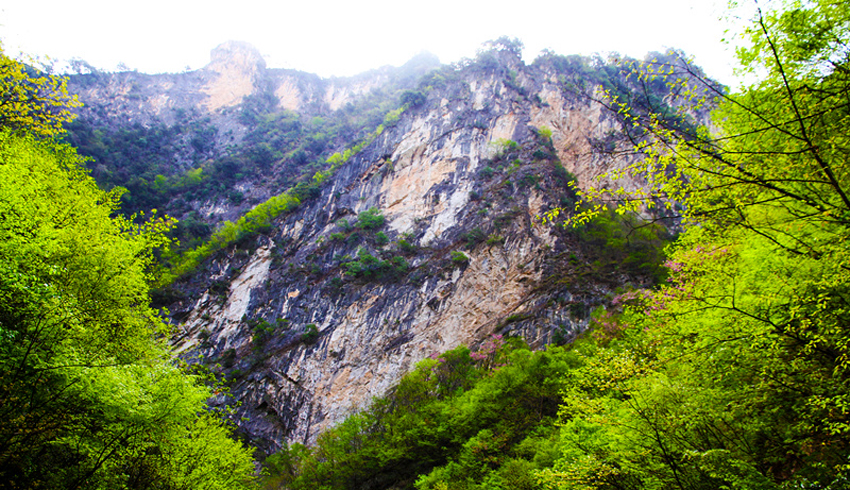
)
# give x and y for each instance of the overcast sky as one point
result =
(345, 37)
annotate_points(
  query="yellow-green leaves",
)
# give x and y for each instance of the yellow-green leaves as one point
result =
(90, 394)
(35, 103)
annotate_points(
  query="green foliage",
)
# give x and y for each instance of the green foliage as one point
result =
(459, 419)
(262, 331)
(404, 245)
(147, 161)
(494, 239)
(411, 98)
(486, 172)
(33, 103)
(459, 257)
(90, 394)
(371, 219)
(370, 268)
(381, 239)
(474, 237)
(344, 224)
(392, 118)
(504, 146)
(257, 220)
(736, 373)
(624, 243)
(311, 334)
(131, 155)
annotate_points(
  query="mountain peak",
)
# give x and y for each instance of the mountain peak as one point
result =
(237, 53)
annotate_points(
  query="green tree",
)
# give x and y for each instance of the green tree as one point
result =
(91, 396)
(736, 373)
(31, 101)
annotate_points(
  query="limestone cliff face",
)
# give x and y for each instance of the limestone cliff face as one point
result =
(232, 74)
(236, 70)
(447, 179)
(257, 126)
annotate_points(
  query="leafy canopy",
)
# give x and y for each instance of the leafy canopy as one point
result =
(31, 101)
(736, 374)
(91, 396)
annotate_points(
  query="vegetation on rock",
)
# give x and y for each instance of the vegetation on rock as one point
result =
(733, 371)
(733, 374)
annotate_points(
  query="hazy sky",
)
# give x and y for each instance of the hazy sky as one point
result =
(344, 37)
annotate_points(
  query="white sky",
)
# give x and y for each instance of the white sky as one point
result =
(345, 37)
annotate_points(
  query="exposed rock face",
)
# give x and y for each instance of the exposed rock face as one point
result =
(232, 117)
(310, 320)
(234, 68)
(432, 177)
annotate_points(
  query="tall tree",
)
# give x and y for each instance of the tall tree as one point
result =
(737, 373)
(90, 394)
(32, 100)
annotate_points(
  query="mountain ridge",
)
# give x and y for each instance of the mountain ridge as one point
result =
(308, 319)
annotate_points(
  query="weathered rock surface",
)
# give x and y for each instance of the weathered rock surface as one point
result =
(232, 115)
(446, 179)
(310, 320)
(236, 70)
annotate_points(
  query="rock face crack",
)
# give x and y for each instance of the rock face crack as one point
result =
(288, 378)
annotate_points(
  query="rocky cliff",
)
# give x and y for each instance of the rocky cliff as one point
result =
(236, 70)
(427, 238)
(249, 128)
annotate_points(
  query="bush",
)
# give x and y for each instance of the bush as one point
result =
(392, 118)
(261, 331)
(369, 267)
(486, 172)
(344, 224)
(459, 257)
(381, 239)
(412, 98)
(545, 133)
(474, 237)
(405, 246)
(371, 219)
(311, 334)
(495, 239)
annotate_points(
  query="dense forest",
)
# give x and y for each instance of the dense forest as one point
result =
(732, 372)
(91, 394)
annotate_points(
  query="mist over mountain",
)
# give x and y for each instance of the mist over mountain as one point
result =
(460, 163)
(573, 272)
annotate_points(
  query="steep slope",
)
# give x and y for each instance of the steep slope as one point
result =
(210, 144)
(426, 239)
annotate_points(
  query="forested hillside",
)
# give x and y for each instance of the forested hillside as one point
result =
(423, 236)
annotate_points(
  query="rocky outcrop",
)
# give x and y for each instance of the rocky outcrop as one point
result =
(304, 337)
(250, 128)
(236, 70)
(232, 74)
